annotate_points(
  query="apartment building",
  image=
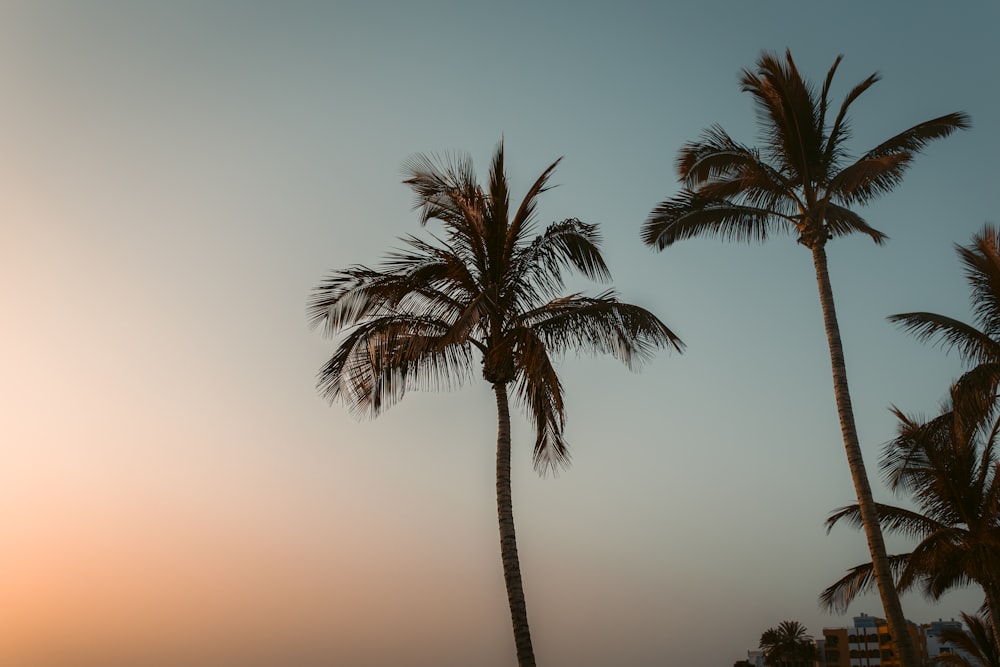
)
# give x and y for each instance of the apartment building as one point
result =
(867, 643)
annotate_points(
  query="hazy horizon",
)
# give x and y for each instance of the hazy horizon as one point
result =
(177, 176)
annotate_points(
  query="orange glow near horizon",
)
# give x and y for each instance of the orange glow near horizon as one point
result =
(108, 588)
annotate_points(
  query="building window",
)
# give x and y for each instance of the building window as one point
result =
(885, 638)
(886, 654)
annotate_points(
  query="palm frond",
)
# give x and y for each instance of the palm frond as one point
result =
(442, 268)
(538, 267)
(824, 99)
(859, 579)
(523, 219)
(988, 454)
(936, 462)
(716, 167)
(715, 155)
(538, 387)
(868, 178)
(688, 215)
(348, 296)
(840, 130)
(907, 461)
(498, 203)
(788, 113)
(915, 138)
(974, 393)
(756, 189)
(380, 359)
(981, 260)
(424, 279)
(601, 325)
(942, 563)
(443, 186)
(973, 345)
(892, 519)
(842, 221)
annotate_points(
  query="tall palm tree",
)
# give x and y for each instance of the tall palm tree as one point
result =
(951, 470)
(788, 645)
(978, 344)
(489, 288)
(801, 182)
(979, 645)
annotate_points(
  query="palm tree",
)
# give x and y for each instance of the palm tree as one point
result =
(788, 645)
(979, 645)
(951, 469)
(487, 288)
(979, 344)
(802, 183)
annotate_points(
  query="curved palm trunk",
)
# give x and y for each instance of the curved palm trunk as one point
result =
(508, 541)
(866, 502)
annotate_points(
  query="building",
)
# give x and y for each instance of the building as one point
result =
(935, 646)
(867, 644)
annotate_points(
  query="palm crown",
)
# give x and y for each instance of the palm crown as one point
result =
(487, 285)
(801, 180)
(951, 470)
(787, 644)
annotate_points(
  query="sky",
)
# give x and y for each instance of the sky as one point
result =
(175, 177)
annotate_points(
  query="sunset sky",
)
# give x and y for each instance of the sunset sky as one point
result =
(176, 176)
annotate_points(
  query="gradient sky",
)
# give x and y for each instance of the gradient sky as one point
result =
(176, 176)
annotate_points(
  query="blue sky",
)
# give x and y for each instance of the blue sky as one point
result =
(177, 176)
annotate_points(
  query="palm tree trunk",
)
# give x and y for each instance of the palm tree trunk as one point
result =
(993, 607)
(508, 541)
(866, 502)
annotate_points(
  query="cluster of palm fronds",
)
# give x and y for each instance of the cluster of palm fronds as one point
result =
(949, 466)
(803, 181)
(787, 645)
(489, 287)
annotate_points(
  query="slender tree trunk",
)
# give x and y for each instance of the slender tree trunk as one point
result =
(993, 605)
(866, 502)
(508, 541)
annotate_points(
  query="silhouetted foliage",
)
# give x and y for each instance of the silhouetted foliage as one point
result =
(950, 469)
(801, 181)
(788, 645)
(978, 344)
(488, 287)
(978, 643)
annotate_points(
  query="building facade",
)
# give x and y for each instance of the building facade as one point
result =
(868, 643)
